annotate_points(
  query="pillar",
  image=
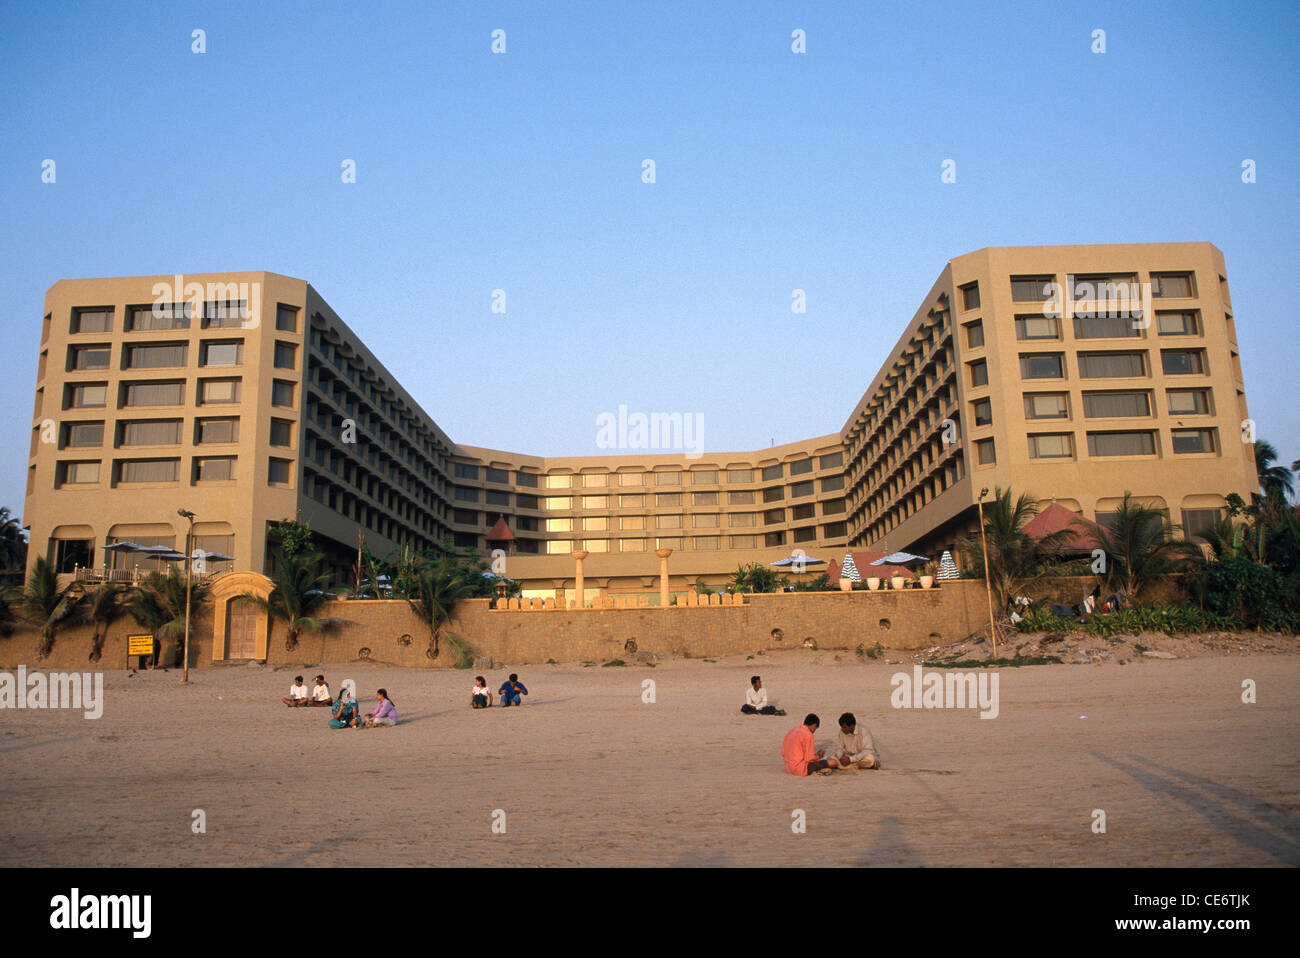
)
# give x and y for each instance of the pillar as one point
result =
(663, 555)
(579, 584)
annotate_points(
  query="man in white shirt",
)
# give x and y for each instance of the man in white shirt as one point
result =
(297, 696)
(756, 700)
(856, 747)
(320, 693)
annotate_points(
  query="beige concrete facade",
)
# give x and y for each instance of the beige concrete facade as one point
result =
(282, 411)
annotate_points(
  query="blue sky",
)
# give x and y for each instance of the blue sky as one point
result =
(522, 172)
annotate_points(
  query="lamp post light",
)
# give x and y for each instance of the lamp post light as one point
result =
(988, 589)
(189, 564)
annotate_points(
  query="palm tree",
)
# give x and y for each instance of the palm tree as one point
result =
(1140, 545)
(159, 603)
(1274, 480)
(1016, 559)
(6, 617)
(297, 593)
(104, 605)
(13, 547)
(44, 604)
(438, 585)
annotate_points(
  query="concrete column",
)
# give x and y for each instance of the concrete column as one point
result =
(663, 555)
(579, 585)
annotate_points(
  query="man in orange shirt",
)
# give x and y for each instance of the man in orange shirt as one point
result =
(798, 750)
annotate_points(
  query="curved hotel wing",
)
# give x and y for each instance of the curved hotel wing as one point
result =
(1073, 372)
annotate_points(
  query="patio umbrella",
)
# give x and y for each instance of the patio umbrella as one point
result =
(849, 569)
(160, 553)
(124, 546)
(899, 558)
(947, 568)
(796, 560)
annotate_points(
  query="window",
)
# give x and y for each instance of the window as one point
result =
(1106, 327)
(983, 412)
(88, 396)
(286, 356)
(277, 472)
(151, 432)
(984, 452)
(218, 391)
(1121, 443)
(740, 475)
(468, 517)
(1031, 289)
(772, 472)
(1193, 440)
(225, 314)
(222, 354)
(497, 475)
(773, 516)
(631, 502)
(525, 523)
(669, 499)
(832, 506)
(558, 547)
(88, 357)
(596, 545)
(970, 296)
(1051, 446)
(806, 534)
(467, 540)
(1112, 365)
(979, 373)
(1197, 521)
(736, 519)
(832, 460)
(1041, 366)
(773, 539)
(154, 355)
(214, 469)
(97, 319)
(526, 501)
(1167, 285)
(804, 511)
(974, 334)
(149, 470)
(1037, 327)
(216, 431)
(631, 522)
(153, 394)
(463, 471)
(834, 530)
(706, 543)
(801, 489)
(775, 494)
(464, 494)
(526, 479)
(831, 483)
(281, 432)
(740, 498)
(1182, 362)
(631, 479)
(705, 521)
(78, 473)
(744, 542)
(1116, 405)
(159, 317)
(1188, 402)
(631, 545)
(495, 497)
(595, 524)
(800, 467)
(595, 502)
(281, 393)
(669, 542)
(704, 499)
(286, 318)
(594, 480)
(1177, 324)
(704, 477)
(83, 434)
(668, 478)
(669, 522)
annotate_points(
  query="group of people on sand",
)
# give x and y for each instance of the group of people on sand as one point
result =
(510, 693)
(346, 713)
(802, 757)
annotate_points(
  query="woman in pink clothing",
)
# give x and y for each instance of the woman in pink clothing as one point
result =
(384, 714)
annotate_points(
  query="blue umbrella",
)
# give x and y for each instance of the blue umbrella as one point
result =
(795, 560)
(900, 558)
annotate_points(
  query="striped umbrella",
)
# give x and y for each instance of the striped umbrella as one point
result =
(849, 569)
(947, 568)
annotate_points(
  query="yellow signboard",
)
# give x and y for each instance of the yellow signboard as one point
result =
(139, 645)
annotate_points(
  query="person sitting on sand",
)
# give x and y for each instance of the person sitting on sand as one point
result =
(510, 691)
(798, 750)
(480, 697)
(345, 708)
(384, 714)
(320, 693)
(856, 746)
(756, 700)
(297, 696)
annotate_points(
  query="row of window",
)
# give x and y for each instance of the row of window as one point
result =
(219, 314)
(1098, 365)
(168, 393)
(1140, 442)
(203, 469)
(1094, 287)
(1116, 404)
(698, 477)
(798, 490)
(836, 530)
(1030, 328)
(168, 355)
(168, 432)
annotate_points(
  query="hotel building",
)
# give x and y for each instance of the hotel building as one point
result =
(244, 398)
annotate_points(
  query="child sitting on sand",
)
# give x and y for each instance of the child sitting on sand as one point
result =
(345, 708)
(297, 694)
(320, 693)
(510, 691)
(856, 747)
(756, 700)
(480, 697)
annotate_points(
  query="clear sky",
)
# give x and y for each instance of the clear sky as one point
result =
(522, 172)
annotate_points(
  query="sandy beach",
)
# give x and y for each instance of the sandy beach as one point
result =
(587, 773)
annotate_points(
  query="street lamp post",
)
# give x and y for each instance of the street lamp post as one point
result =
(189, 565)
(988, 587)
